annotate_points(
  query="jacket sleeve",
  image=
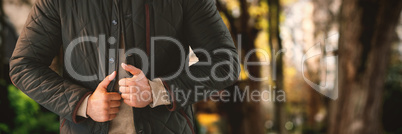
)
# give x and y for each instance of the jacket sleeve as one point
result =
(205, 30)
(36, 47)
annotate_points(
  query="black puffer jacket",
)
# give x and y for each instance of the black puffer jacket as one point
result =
(56, 24)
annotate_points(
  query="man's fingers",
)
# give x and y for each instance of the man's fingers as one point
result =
(114, 96)
(138, 77)
(126, 96)
(127, 82)
(133, 70)
(129, 102)
(115, 103)
(114, 110)
(107, 80)
(112, 116)
(130, 82)
(129, 89)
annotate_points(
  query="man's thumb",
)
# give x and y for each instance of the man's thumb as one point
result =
(133, 70)
(107, 80)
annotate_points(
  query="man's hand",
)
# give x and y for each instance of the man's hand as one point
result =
(102, 105)
(136, 91)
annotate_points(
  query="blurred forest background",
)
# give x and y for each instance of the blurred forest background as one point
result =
(352, 49)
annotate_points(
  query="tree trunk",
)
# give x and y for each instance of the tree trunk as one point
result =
(324, 19)
(253, 119)
(247, 118)
(275, 46)
(364, 45)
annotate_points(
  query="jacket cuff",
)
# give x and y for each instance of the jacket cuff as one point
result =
(82, 110)
(171, 107)
(159, 93)
(78, 119)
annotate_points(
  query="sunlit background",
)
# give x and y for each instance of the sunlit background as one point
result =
(297, 28)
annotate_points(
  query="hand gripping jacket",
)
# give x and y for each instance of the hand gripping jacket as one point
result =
(55, 24)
